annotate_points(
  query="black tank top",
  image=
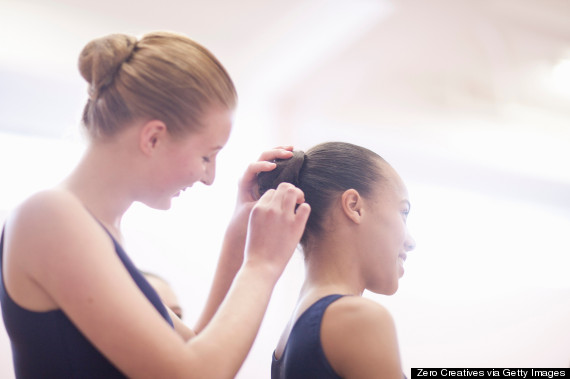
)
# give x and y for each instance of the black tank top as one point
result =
(303, 356)
(48, 345)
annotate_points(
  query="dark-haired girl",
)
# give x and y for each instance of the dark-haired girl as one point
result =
(355, 239)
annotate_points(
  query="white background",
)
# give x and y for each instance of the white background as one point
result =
(469, 102)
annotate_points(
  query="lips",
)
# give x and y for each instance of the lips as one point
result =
(401, 259)
(182, 190)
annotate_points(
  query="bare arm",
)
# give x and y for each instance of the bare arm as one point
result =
(232, 252)
(71, 259)
(359, 340)
(180, 327)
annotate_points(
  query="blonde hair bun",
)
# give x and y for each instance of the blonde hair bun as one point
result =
(101, 58)
(162, 75)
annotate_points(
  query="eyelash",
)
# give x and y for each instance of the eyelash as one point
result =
(206, 159)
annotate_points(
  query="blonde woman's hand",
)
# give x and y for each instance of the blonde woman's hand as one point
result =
(276, 225)
(233, 247)
(248, 189)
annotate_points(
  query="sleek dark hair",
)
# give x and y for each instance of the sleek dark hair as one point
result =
(323, 173)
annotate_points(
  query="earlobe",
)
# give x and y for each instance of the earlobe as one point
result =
(352, 205)
(152, 132)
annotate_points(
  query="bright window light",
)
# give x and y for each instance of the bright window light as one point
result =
(559, 79)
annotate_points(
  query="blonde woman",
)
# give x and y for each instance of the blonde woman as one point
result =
(159, 111)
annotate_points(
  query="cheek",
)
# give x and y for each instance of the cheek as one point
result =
(398, 229)
(187, 167)
(391, 235)
(192, 171)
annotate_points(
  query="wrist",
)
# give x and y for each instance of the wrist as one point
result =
(237, 228)
(263, 269)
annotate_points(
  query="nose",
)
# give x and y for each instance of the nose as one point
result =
(209, 173)
(409, 242)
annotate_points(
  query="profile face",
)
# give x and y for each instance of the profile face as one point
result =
(386, 238)
(190, 159)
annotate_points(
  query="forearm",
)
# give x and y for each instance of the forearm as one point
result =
(182, 329)
(227, 339)
(231, 255)
(229, 262)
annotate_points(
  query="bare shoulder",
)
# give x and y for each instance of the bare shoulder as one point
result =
(354, 317)
(47, 218)
(41, 235)
(357, 308)
(44, 209)
(359, 339)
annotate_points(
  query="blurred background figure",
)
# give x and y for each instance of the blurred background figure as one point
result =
(165, 291)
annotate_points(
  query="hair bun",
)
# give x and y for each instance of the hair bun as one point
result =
(100, 60)
(287, 170)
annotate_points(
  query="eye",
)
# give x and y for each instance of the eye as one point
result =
(405, 213)
(206, 159)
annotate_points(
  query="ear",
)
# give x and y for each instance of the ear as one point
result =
(152, 133)
(352, 205)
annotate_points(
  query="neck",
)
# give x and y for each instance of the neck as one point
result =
(101, 182)
(331, 266)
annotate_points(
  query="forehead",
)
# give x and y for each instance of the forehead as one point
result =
(216, 125)
(163, 289)
(392, 183)
(217, 115)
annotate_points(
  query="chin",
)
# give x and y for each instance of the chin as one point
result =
(159, 205)
(391, 292)
(387, 289)
(165, 206)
